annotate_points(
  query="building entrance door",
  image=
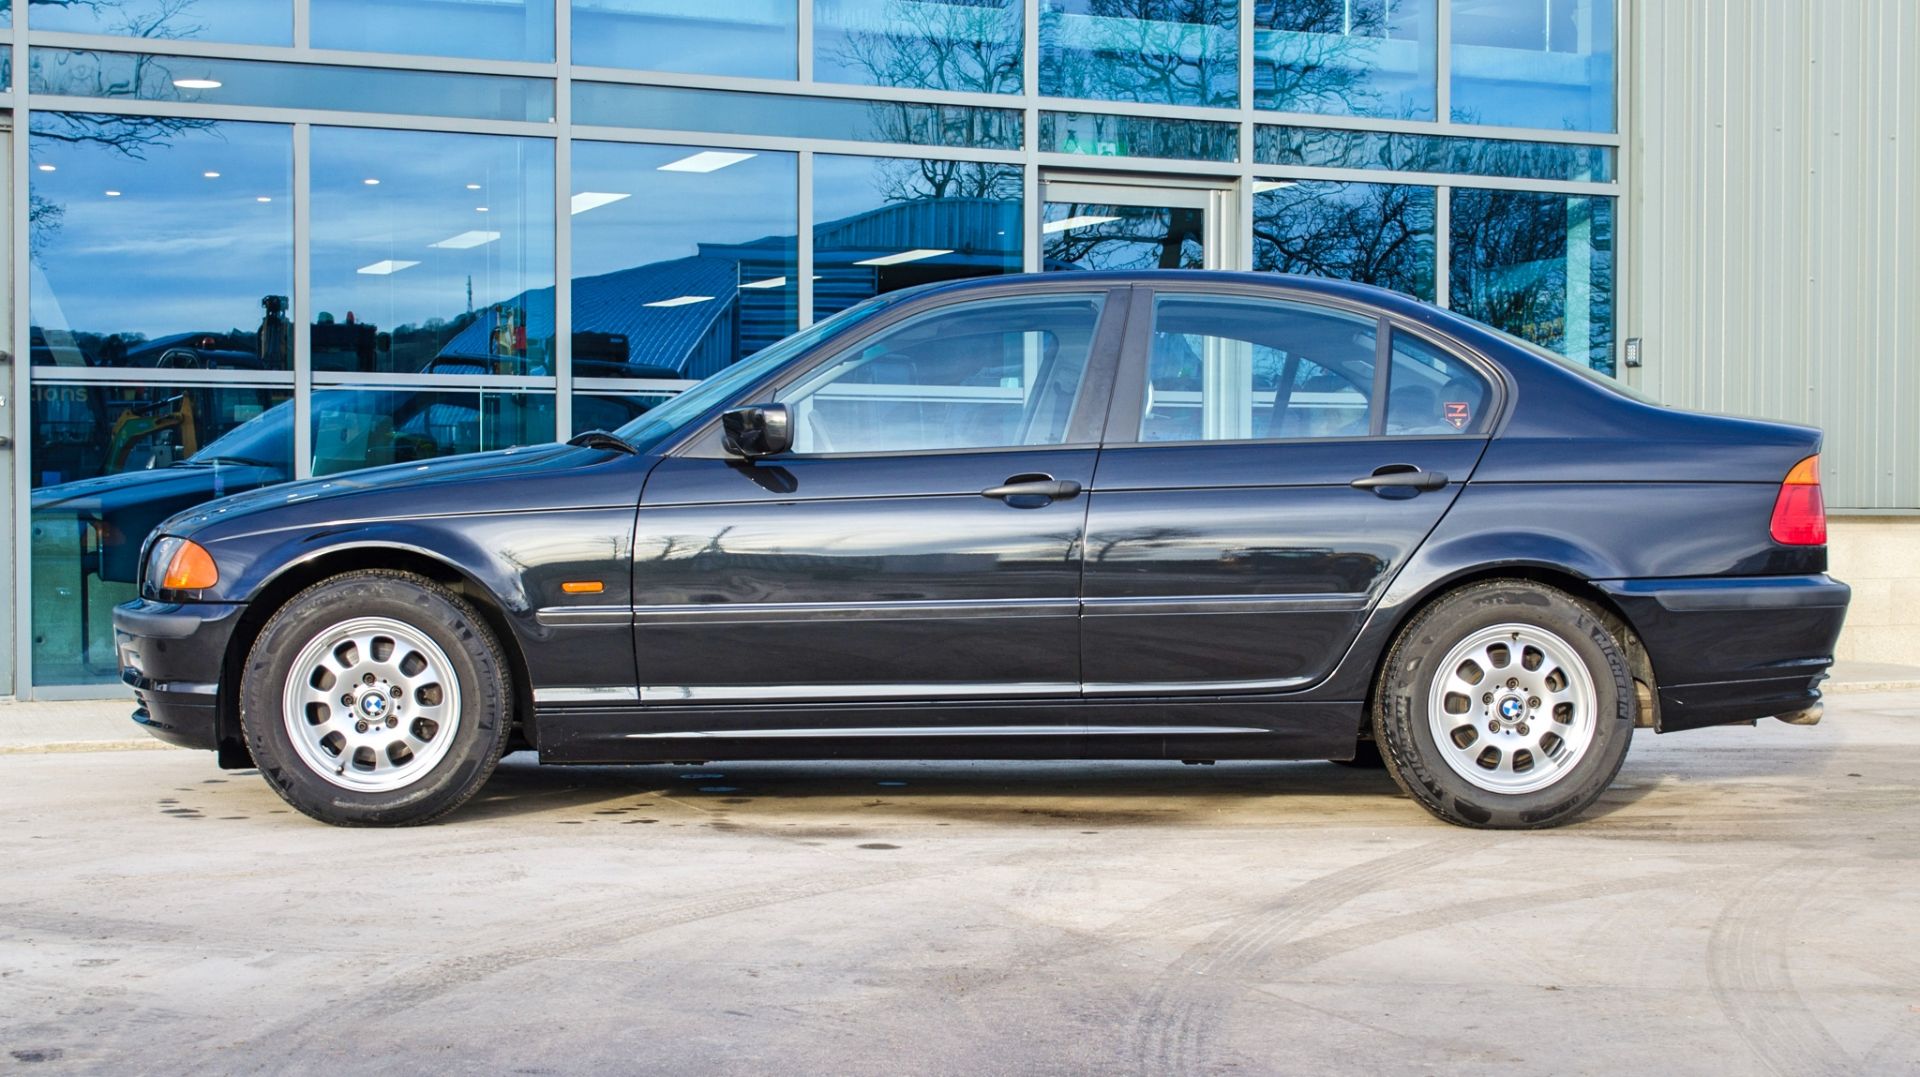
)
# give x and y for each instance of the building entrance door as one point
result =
(1131, 222)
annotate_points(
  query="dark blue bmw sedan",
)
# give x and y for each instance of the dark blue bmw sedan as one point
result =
(1183, 516)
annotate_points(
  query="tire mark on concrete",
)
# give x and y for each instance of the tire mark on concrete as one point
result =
(570, 934)
(1172, 1030)
(1302, 953)
(1748, 969)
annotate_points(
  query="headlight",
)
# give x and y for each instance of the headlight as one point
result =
(177, 564)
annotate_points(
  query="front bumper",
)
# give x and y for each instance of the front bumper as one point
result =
(1732, 649)
(171, 655)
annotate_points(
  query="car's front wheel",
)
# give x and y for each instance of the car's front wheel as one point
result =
(1506, 704)
(376, 698)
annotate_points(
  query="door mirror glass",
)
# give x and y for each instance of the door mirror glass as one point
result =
(758, 430)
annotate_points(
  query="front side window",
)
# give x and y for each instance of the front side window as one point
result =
(995, 373)
(1227, 368)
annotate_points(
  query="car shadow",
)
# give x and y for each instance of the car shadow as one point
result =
(1079, 792)
(1043, 792)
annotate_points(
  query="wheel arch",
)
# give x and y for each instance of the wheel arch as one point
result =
(273, 594)
(1639, 662)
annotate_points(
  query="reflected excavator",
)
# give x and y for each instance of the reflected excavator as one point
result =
(149, 421)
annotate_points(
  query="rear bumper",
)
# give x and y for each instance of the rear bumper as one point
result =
(1732, 649)
(170, 655)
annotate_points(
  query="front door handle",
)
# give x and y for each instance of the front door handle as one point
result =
(1404, 479)
(1031, 491)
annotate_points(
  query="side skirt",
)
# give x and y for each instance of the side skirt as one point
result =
(1217, 728)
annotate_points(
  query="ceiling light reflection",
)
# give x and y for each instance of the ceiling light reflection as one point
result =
(466, 241)
(705, 161)
(1068, 224)
(904, 256)
(587, 200)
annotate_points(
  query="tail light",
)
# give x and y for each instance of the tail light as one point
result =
(1800, 512)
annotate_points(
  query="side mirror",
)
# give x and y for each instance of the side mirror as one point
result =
(758, 429)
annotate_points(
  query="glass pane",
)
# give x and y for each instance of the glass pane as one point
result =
(251, 22)
(663, 108)
(1346, 57)
(432, 253)
(481, 29)
(990, 374)
(1327, 148)
(1234, 369)
(355, 428)
(1539, 266)
(756, 38)
(1138, 136)
(882, 223)
(973, 45)
(1431, 393)
(109, 463)
(207, 80)
(164, 243)
(607, 411)
(1374, 233)
(1534, 63)
(1168, 52)
(684, 259)
(1084, 235)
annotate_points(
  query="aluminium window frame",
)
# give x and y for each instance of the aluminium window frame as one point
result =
(1241, 174)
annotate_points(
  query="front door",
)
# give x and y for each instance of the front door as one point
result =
(1123, 222)
(1269, 464)
(922, 539)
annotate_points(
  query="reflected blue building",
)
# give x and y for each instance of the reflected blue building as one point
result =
(349, 232)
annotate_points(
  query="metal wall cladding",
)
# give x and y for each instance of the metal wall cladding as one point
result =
(1775, 204)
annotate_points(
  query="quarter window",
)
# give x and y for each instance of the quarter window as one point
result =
(995, 373)
(1226, 368)
(1432, 393)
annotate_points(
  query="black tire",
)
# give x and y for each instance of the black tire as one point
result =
(1403, 694)
(482, 699)
(1366, 756)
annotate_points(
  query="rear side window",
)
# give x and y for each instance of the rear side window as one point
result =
(1231, 368)
(1433, 394)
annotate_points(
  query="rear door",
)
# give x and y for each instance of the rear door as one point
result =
(1270, 461)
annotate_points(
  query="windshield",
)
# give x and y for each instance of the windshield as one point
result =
(266, 440)
(663, 421)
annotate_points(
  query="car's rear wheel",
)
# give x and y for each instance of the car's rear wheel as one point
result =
(1505, 704)
(376, 698)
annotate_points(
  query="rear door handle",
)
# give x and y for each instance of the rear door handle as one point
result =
(1035, 489)
(1399, 477)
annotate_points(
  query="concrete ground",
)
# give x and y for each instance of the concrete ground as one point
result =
(1743, 901)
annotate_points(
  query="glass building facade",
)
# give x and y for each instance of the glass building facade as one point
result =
(259, 240)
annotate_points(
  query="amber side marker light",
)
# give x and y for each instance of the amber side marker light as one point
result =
(583, 587)
(1800, 510)
(192, 569)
